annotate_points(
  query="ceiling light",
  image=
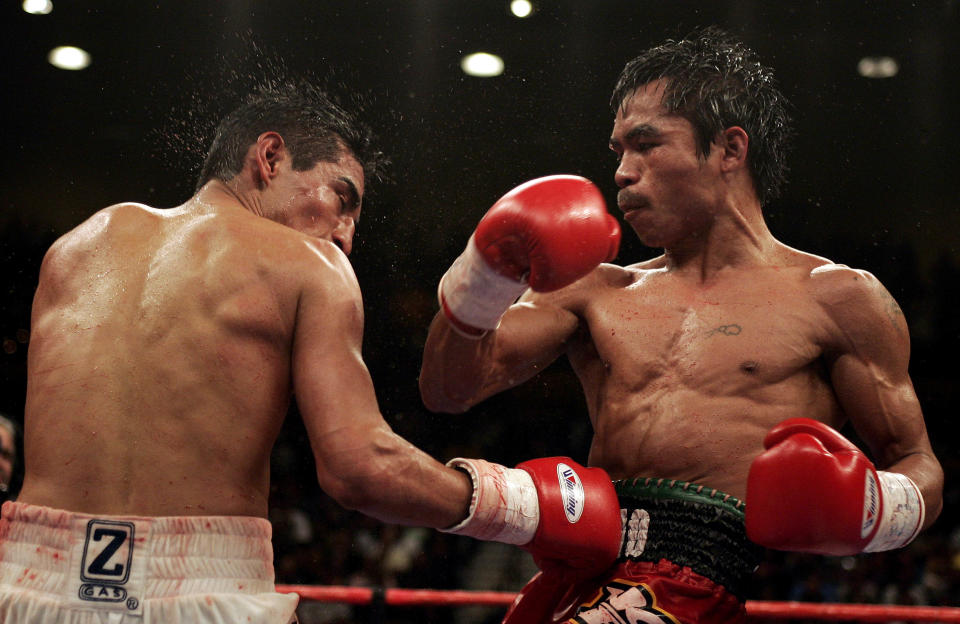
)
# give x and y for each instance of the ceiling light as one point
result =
(482, 64)
(878, 67)
(37, 7)
(69, 57)
(521, 8)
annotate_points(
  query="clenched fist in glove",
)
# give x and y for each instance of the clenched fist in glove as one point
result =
(565, 515)
(544, 234)
(813, 491)
(553, 507)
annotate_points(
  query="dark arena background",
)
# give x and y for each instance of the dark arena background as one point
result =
(875, 88)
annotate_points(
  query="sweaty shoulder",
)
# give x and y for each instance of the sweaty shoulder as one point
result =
(836, 286)
(329, 268)
(118, 216)
(304, 263)
(86, 238)
(858, 304)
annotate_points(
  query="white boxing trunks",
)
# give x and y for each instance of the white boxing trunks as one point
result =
(68, 568)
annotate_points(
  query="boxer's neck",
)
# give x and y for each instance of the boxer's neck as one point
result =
(217, 194)
(736, 236)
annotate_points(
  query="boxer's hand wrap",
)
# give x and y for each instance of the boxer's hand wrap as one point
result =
(902, 515)
(813, 491)
(503, 507)
(566, 515)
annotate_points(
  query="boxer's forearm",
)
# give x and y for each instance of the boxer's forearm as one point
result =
(380, 474)
(454, 368)
(925, 471)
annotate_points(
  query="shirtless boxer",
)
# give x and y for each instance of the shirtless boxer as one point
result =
(165, 346)
(729, 351)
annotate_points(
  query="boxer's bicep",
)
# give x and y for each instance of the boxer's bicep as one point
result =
(533, 334)
(869, 374)
(868, 361)
(331, 382)
(360, 461)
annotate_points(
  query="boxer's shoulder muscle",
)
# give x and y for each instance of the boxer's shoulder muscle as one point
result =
(102, 223)
(305, 275)
(836, 286)
(89, 248)
(859, 306)
(326, 286)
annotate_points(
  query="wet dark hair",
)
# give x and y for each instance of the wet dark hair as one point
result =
(716, 82)
(313, 125)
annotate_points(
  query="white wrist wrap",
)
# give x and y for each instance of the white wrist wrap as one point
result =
(902, 513)
(504, 505)
(476, 294)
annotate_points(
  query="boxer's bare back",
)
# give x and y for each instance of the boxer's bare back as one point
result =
(160, 360)
(166, 346)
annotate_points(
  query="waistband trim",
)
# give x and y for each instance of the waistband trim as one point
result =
(690, 525)
(680, 490)
(87, 557)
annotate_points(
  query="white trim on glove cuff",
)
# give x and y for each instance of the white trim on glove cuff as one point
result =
(476, 294)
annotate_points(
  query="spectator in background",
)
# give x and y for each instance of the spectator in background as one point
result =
(8, 457)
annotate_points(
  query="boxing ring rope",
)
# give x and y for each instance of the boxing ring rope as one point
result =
(755, 608)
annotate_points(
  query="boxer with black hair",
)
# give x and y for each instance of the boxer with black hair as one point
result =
(696, 364)
(165, 348)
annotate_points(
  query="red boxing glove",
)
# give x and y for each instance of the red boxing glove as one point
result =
(580, 523)
(571, 544)
(813, 491)
(565, 515)
(553, 507)
(545, 234)
(538, 601)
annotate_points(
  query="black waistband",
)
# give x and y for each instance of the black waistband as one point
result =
(689, 525)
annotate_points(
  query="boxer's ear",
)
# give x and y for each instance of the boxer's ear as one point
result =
(268, 152)
(734, 143)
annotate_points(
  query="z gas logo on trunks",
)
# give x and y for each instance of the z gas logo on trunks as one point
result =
(571, 491)
(105, 565)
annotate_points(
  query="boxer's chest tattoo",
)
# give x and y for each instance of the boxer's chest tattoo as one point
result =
(730, 329)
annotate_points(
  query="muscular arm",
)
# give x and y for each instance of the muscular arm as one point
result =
(868, 368)
(360, 461)
(459, 372)
(545, 234)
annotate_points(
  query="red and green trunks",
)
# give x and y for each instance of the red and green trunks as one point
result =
(684, 559)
